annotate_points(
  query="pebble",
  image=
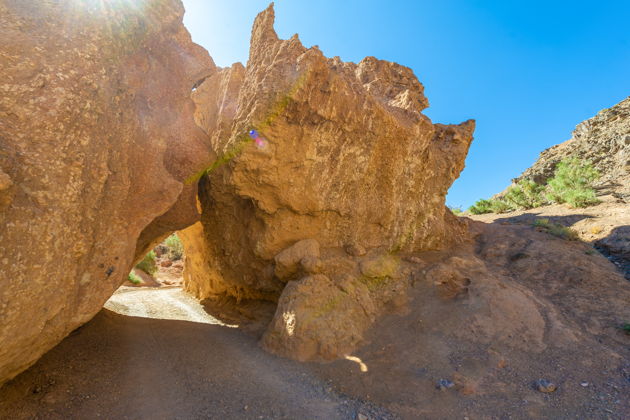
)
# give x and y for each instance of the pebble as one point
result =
(584, 384)
(544, 385)
(443, 384)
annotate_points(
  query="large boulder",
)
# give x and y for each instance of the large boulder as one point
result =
(96, 138)
(341, 173)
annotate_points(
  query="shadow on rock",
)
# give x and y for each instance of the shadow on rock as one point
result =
(251, 315)
(616, 247)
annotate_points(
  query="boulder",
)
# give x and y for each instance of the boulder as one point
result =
(97, 137)
(314, 150)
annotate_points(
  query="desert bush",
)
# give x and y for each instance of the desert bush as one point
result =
(490, 206)
(572, 183)
(556, 229)
(457, 211)
(524, 195)
(134, 278)
(148, 264)
(481, 207)
(500, 206)
(175, 247)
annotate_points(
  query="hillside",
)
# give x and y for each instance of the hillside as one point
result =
(605, 141)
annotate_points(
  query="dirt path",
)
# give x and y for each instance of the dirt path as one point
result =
(187, 366)
(159, 303)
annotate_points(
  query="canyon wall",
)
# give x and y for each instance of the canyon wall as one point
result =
(96, 138)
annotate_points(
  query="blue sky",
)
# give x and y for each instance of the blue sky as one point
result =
(527, 71)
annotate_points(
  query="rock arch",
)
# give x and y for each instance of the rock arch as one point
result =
(101, 158)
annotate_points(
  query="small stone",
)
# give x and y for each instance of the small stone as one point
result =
(355, 250)
(361, 416)
(584, 384)
(444, 384)
(415, 260)
(544, 385)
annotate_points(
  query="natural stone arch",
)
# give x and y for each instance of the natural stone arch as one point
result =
(106, 161)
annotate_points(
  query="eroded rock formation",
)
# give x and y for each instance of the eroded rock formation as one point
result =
(96, 138)
(350, 175)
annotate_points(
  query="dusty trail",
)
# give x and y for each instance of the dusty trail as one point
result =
(186, 365)
(159, 303)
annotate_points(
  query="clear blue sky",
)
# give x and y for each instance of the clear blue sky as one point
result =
(527, 71)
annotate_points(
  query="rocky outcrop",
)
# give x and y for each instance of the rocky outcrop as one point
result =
(605, 141)
(341, 175)
(96, 138)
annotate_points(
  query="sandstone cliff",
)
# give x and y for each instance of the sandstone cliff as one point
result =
(605, 141)
(96, 138)
(349, 174)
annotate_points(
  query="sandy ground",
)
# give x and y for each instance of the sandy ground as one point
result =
(188, 366)
(159, 303)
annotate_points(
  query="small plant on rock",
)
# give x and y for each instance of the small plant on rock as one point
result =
(134, 278)
(556, 229)
(148, 264)
(175, 247)
(457, 211)
(573, 183)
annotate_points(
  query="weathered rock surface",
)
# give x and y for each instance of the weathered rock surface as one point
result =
(604, 140)
(348, 162)
(96, 138)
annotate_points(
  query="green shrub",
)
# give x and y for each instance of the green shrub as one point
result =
(148, 264)
(490, 206)
(134, 278)
(500, 206)
(556, 230)
(457, 211)
(481, 207)
(524, 195)
(175, 247)
(572, 183)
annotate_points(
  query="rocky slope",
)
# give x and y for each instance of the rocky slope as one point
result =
(605, 141)
(96, 138)
(348, 174)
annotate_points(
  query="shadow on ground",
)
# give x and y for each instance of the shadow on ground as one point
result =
(252, 316)
(121, 367)
(530, 218)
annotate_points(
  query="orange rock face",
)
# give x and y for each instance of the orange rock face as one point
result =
(96, 138)
(341, 158)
